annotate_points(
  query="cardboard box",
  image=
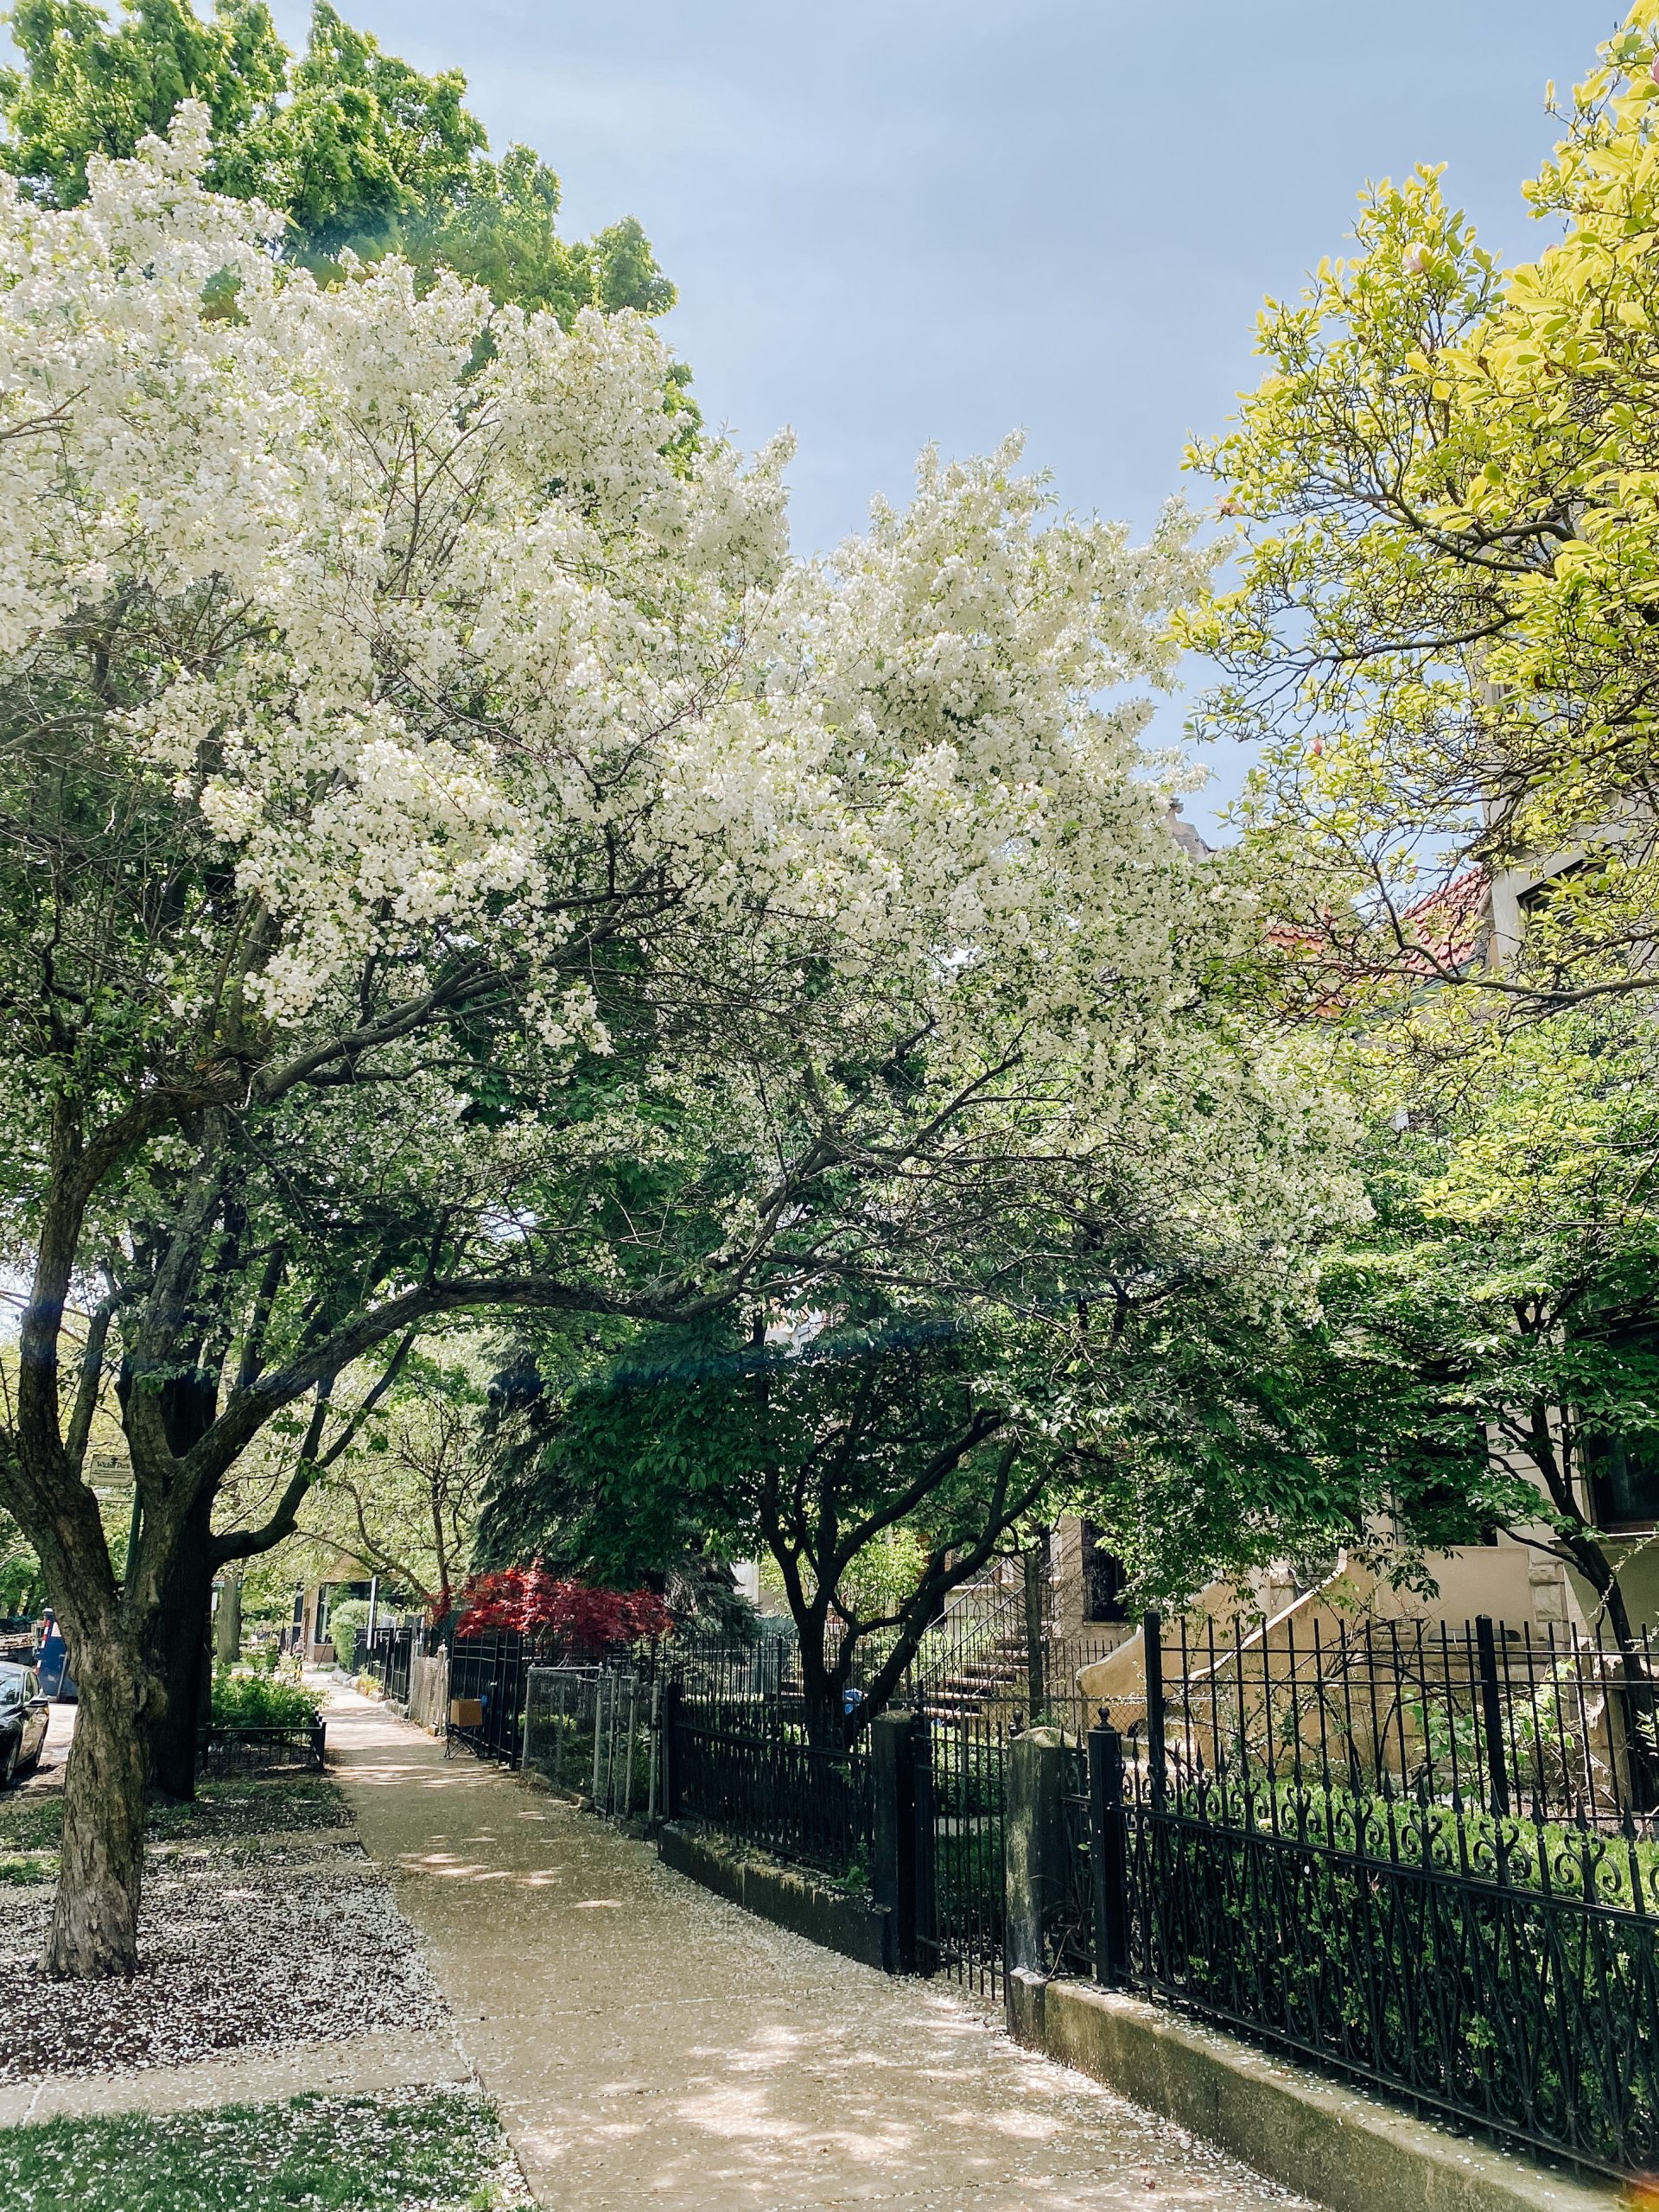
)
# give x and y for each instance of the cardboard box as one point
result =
(466, 1713)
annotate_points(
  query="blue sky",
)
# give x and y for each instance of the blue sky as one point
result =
(899, 220)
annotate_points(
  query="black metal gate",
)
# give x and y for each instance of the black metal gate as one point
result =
(959, 1808)
(487, 1692)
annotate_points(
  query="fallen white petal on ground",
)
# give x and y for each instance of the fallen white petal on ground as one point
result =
(238, 1950)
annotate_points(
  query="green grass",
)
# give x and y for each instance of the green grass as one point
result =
(230, 1810)
(412, 2150)
(31, 1823)
(224, 1813)
(35, 1866)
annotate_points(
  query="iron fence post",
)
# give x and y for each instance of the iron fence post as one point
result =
(669, 1722)
(626, 1752)
(1108, 1860)
(598, 1739)
(925, 1944)
(1036, 1686)
(654, 1742)
(893, 1874)
(1492, 1715)
(1152, 1633)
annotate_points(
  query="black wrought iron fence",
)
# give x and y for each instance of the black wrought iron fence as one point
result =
(1390, 1851)
(749, 1768)
(245, 1754)
(388, 1656)
(590, 1728)
(1544, 1723)
(488, 1688)
(1425, 1858)
(960, 1849)
(758, 1765)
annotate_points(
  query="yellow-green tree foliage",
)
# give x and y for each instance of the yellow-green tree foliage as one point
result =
(1445, 628)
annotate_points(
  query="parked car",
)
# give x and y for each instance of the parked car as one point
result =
(24, 1714)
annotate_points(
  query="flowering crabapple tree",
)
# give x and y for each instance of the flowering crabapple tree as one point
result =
(453, 859)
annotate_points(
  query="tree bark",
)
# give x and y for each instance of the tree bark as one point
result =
(228, 1640)
(94, 1931)
(822, 1685)
(177, 1616)
(178, 1659)
(1633, 1702)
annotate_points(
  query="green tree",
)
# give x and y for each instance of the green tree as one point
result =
(354, 147)
(20, 1570)
(813, 1447)
(1473, 1357)
(86, 86)
(1441, 636)
(402, 1499)
(1442, 633)
(1519, 1268)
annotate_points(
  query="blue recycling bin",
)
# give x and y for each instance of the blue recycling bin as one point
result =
(52, 1665)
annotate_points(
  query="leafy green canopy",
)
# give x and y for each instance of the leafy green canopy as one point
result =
(1482, 1354)
(713, 1439)
(1442, 630)
(808, 1442)
(357, 149)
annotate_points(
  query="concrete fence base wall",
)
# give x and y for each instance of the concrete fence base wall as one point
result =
(1342, 2149)
(838, 1919)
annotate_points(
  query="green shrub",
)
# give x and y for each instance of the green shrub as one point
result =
(343, 1621)
(256, 1702)
(1495, 1967)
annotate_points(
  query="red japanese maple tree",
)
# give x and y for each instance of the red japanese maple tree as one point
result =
(572, 1614)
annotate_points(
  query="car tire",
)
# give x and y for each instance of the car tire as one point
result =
(8, 1762)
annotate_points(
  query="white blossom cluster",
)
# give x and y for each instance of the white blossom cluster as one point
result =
(454, 648)
(486, 623)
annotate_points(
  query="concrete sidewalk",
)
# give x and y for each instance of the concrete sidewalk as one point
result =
(651, 2045)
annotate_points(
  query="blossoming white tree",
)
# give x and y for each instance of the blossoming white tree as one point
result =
(451, 858)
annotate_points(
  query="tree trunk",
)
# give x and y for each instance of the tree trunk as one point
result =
(178, 1658)
(823, 1687)
(94, 1931)
(1633, 1702)
(228, 1642)
(175, 1647)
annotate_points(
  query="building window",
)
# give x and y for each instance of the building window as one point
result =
(1623, 1474)
(1104, 1581)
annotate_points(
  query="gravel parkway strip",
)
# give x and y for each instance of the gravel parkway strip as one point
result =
(649, 2046)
